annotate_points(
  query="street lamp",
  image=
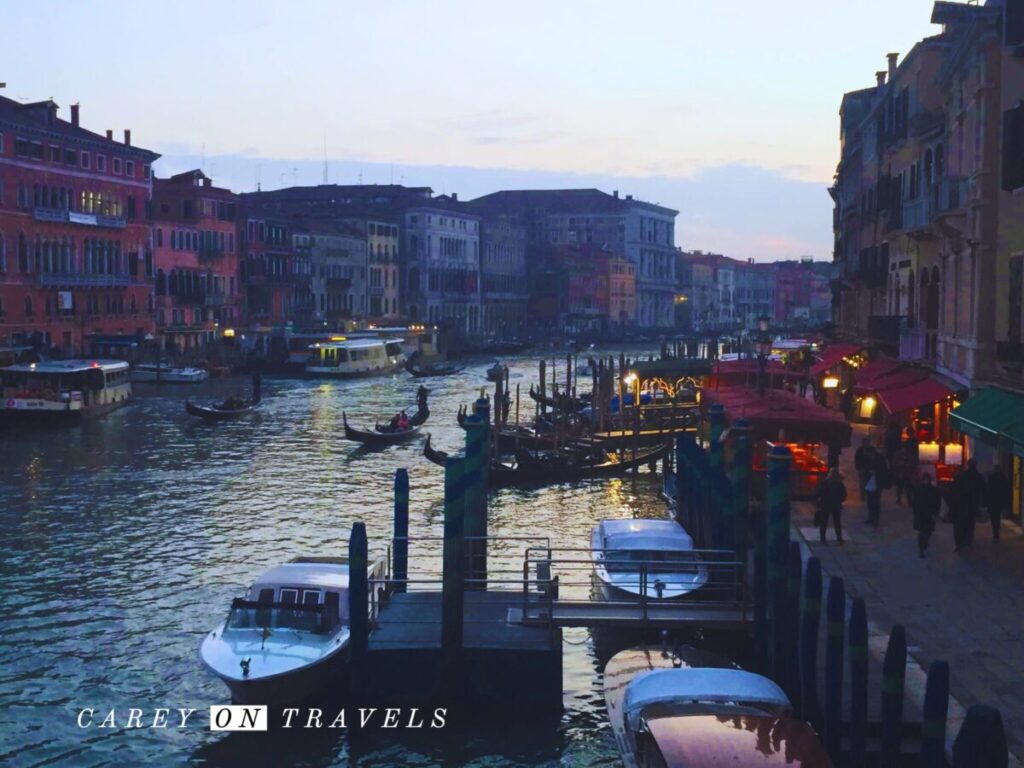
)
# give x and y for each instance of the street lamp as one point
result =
(763, 347)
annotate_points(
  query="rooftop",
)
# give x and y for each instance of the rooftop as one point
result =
(560, 201)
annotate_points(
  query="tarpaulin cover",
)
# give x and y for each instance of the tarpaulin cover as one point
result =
(801, 420)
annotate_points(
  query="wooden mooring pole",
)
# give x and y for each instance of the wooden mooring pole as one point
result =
(777, 555)
(400, 542)
(894, 669)
(835, 620)
(858, 682)
(935, 710)
(358, 610)
(452, 586)
(475, 505)
(810, 623)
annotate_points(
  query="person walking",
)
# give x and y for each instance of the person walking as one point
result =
(861, 460)
(900, 467)
(974, 497)
(831, 495)
(926, 504)
(873, 487)
(997, 497)
(956, 501)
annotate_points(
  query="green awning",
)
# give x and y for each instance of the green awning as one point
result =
(990, 415)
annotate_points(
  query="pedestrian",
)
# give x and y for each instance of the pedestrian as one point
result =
(891, 442)
(862, 459)
(997, 497)
(831, 495)
(956, 500)
(834, 452)
(873, 487)
(926, 503)
(899, 467)
(974, 497)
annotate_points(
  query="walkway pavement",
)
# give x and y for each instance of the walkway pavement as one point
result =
(965, 608)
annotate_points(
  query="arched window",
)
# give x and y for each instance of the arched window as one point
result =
(22, 253)
(928, 169)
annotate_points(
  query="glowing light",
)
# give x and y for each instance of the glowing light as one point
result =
(867, 407)
(229, 333)
(928, 453)
(338, 338)
(830, 382)
(954, 453)
(629, 379)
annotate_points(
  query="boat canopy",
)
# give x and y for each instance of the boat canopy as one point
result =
(645, 534)
(710, 686)
(323, 575)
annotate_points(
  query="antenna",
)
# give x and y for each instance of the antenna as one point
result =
(295, 177)
(325, 159)
(259, 166)
(202, 163)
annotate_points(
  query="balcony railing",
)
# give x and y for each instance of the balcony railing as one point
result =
(912, 344)
(62, 216)
(376, 291)
(77, 279)
(209, 252)
(214, 300)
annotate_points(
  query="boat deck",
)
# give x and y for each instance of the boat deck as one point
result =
(673, 615)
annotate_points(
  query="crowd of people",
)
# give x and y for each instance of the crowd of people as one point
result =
(895, 465)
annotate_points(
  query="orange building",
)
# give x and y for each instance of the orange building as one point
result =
(196, 256)
(75, 253)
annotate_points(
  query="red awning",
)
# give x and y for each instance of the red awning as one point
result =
(873, 375)
(832, 355)
(903, 398)
(801, 420)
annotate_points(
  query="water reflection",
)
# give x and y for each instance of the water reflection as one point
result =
(122, 541)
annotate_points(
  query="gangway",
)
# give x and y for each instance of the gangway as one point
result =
(560, 589)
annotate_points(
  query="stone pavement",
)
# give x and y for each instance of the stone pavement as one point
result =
(965, 608)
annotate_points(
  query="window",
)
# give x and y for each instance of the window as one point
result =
(54, 154)
(84, 159)
(116, 162)
(1, 143)
(159, 238)
(28, 306)
(129, 168)
(288, 596)
(70, 156)
(1013, 148)
(145, 171)
(101, 162)
(3, 255)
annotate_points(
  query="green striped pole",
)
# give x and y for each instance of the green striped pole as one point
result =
(777, 553)
(835, 618)
(792, 625)
(935, 710)
(476, 502)
(452, 586)
(722, 515)
(400, 543)
(858, 682)
(358, 608)
(741, 463)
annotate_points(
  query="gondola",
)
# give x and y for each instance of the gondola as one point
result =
(496, 372)
(232, 408)
(380, 435)
(553, 470)
(561, 402)
(430, 369)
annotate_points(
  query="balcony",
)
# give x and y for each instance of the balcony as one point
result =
(338, 283)
(62, 216)
(82, 280)
(917, 214)
(214, 300)
(376, 291)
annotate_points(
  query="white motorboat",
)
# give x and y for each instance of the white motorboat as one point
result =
(288, 637)
(354, 358)
(63, 390)
(650, 559)
(145, 373)
(698, 717)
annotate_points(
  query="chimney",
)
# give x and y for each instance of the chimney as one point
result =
(880, 77)
(455, 196)
(110, 134)
(74, 115)
(127, 137)
(615, 194)
(629, 197)
(893, 58)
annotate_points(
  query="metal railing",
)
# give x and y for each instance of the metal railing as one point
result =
(73, 278)
(568, 576)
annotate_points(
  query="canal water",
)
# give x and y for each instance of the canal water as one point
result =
(123, 541)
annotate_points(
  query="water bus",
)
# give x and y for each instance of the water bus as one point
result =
(63, 389)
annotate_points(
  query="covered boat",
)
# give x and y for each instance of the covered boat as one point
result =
(356, 358)
(165, 373)
(288, 637)
(653, 559)
(703, 717)
(63, 390)
(421, 370)
(231, 408)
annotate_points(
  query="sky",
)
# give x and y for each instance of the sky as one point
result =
(726, 110)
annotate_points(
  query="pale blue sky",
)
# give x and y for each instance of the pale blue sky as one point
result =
(724, 110)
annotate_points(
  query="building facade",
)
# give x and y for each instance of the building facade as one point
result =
(75, 251)
(504, 292)
(384, 268)
(338, 255)
(270, 271)
(195, 230)
(442, 265)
